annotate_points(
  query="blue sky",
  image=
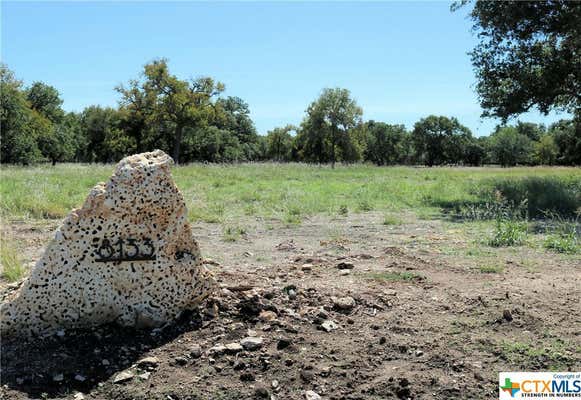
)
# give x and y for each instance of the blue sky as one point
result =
(401, 60)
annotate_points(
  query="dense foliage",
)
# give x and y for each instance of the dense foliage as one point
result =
(528, 56)
(192, 121)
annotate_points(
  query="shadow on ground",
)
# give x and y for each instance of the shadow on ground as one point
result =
(81, 359)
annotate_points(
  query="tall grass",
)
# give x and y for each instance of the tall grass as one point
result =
(558, 195)
(12, 267)
(564, 235)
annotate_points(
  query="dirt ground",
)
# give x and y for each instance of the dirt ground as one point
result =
(347, 308)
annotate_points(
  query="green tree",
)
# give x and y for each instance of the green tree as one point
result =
(176, 104)
(509, 148)
(326, 127)
(105, 140)
(212, 144)
(567, 136)
(528, 56)
(546, 150)
(531, 130)
(233, 114)
(475, 152)
(279, 142)
(71, 123)
(136, 114)
(19, 123)
(438, 140)
(57, 142)
(386, 144)
(45, 99)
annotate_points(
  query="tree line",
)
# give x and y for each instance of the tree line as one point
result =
(192, 122)
(528, 57)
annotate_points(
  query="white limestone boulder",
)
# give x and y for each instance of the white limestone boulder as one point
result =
(126, 256)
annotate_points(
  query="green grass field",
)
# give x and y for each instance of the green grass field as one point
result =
(291, 192)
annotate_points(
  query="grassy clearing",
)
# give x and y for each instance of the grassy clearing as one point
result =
(286, 192)
(12, 267)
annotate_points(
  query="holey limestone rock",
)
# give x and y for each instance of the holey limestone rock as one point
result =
(126, 256)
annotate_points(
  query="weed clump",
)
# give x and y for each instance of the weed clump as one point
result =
(564, 236)
(233, 233)
(12, 267)
(508, 233)
(491, 269)
(391, 220)
(343, 209)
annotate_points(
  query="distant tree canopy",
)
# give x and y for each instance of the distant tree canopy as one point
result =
(509, 147)
(328, 128)
(279, 143)
(528, 56)
(440, 140)
(387, 144)
(191, 120)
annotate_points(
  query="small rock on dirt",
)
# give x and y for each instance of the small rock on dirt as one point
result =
(307, 267)
(507, 315)
(148, 362)
(251, 343)
(247, 377)
(261, 393)
(343, 304)
(283, 343)
(345, 265)
(123, 376)
(267, 315)
(218, 349)
(310, 395)
(144, 376)
(239, 365)
(307, 375)
(329, 326)
(181, 361)
(233, 348)
(196, 351)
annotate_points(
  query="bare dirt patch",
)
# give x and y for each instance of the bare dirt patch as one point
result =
(346, 307)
